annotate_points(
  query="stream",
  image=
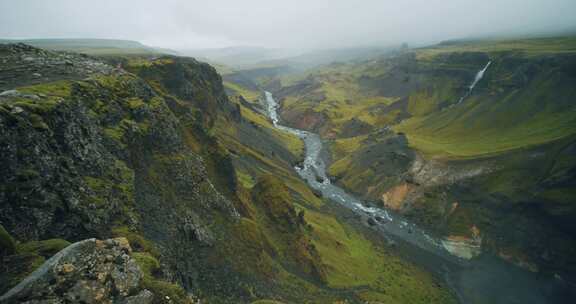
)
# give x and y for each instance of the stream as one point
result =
(484, 279)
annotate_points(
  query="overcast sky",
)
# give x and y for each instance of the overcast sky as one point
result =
(273, 23)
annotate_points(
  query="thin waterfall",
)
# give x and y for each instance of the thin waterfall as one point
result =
(477, 78)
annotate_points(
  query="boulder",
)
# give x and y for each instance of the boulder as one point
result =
(89, 271)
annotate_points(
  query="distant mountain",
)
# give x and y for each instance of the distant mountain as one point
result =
(92, 46)
(239, 55)
(246, 58)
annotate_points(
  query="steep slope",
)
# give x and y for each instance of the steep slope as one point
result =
(497, 164)
(157, 153)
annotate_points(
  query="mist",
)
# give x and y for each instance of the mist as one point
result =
(181, 24)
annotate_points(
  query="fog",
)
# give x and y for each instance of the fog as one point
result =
(284, 24)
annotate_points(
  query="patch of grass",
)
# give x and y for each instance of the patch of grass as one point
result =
(45, 248)
(248, 94)
(245, 179)
(62, 88)
(527, 47)
(20, 260)
(345, 146)
(37, 106)
(138, 242)
(352, 261)
(134, 103)
(163, 291)
(18, 267)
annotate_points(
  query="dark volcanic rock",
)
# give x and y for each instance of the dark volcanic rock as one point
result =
(89, 271)
(371, 221)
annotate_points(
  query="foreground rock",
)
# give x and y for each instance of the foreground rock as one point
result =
(89, 271)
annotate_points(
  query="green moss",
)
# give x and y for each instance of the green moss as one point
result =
(134, 103)
(163, 291)
(45, 248)
(115, 184)
(245, 180)
(148, 264)
(272, 194)
(116, 133)
(58, 88)
(38, 122)
(7, 244)
(138, 242)
(20, 260)
(17, 267)
(37, 106)
(252, 251)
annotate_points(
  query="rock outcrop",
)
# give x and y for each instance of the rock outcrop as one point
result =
(465, 247)
(94, 151)
(89, 271)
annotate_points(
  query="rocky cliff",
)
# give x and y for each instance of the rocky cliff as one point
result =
(98, 152)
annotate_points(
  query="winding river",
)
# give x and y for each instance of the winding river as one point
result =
(484, 279)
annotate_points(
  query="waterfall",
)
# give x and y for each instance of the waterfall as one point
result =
(477, 78)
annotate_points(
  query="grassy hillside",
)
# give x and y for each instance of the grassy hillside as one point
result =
(524, 100)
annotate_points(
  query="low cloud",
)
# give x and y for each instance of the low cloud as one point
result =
(291, 24)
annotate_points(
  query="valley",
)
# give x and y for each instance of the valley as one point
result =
(393, 175)
(462, 181)
(467, 279)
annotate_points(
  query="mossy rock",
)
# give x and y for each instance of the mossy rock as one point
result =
(7, 244)
(137, 241)
(148, 264)
(15, 268)
(163, 291)
(272, 194)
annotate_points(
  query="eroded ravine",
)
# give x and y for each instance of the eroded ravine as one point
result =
(485, 279)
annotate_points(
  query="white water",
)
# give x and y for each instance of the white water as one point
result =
(477, 78)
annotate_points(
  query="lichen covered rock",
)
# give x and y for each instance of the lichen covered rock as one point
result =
(89, 271)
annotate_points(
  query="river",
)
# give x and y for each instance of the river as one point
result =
(484, 279)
